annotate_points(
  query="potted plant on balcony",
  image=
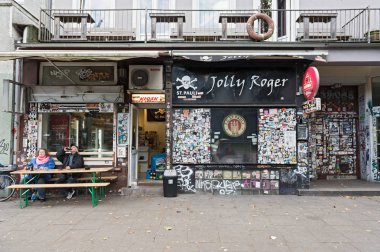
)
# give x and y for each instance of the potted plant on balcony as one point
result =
(374, 35)
(265, 7)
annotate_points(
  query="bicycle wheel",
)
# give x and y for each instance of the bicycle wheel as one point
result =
(5, 193)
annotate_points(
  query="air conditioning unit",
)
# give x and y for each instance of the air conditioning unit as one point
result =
(146, 77)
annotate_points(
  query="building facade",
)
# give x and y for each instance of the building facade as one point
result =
(145, 88)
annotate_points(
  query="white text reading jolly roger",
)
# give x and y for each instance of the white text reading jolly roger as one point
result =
(229, 81)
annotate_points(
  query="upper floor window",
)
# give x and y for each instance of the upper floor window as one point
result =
(154, 4)
(281, 23)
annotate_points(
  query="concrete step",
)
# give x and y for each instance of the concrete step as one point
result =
(339, 192)
(341, 187)
(143, 190)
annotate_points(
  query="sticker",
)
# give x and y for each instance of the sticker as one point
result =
(234, 125)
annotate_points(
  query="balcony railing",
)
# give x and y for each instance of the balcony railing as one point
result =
(141, 25)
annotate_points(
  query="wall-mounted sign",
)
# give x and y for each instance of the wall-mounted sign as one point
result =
(254, 86)
(148, 98)
(234, 125)
(121, 151)
(46, 107)
(155, 115)
(310, 83)
(78, 73)
(312, 105)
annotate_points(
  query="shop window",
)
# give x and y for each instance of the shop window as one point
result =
(233, 135)
(91, 131)
(217, 135)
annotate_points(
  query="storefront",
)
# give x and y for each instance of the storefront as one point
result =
(74, 103)
(333, 134)
(234, 127)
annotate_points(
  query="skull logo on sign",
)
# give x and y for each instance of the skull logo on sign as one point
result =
(186, 82)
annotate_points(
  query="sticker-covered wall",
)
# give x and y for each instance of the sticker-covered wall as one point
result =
(241, 179)
(364, 133)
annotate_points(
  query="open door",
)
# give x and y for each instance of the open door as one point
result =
(133, 145)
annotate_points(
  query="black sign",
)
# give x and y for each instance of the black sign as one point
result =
(254, 86)
(155, 115)
(83, 74)
(302, 132)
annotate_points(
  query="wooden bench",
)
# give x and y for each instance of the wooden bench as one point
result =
(199, 34)
(105, 178)
(101, 35)
(66, 185)
(92, 158)
(323, 35)
(93, 186)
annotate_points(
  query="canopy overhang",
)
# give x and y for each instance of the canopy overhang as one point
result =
(223, 55)
(70, 55)
(198, 55)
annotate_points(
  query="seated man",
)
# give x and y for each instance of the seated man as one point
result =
(69, 160)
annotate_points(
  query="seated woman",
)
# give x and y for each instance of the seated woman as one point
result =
(42, 161)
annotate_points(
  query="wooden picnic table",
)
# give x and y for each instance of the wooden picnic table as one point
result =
(80, 18)
(317, 17)
(178, 18)
(24, 188)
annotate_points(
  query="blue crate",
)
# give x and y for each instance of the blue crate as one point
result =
(158, 160)
(147, 175)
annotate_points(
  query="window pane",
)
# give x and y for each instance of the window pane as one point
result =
(234, 135)
(90, 131)
(213, 5)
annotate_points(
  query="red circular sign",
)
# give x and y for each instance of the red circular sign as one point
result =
(310, 83)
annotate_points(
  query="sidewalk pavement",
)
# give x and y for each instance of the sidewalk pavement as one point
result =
(193, 222)
(341, 187)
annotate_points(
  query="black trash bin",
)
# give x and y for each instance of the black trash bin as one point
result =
(170, 183)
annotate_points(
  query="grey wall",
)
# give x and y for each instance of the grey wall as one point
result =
(6, 72)
(13, 18)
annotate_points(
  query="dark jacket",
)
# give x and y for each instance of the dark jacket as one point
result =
(64, 158)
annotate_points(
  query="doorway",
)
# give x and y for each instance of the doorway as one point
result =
(151, 144)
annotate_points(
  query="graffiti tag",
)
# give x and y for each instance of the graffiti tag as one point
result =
(4, 147)
(223, 187)
(185, 178)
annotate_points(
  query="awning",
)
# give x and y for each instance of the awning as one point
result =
(69, 55)
(223, 55)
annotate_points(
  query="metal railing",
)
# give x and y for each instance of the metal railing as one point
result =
(154, 25)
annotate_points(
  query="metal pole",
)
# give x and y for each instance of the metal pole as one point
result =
(369, 26)
(146, 25)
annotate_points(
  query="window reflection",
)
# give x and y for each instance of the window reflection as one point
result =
(92, 132)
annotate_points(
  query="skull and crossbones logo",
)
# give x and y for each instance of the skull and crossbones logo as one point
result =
(186, 82)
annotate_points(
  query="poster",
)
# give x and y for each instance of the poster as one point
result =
(122, 128)
(277, 136)
(191, 136)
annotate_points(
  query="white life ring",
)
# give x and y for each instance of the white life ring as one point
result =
(257, 36)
